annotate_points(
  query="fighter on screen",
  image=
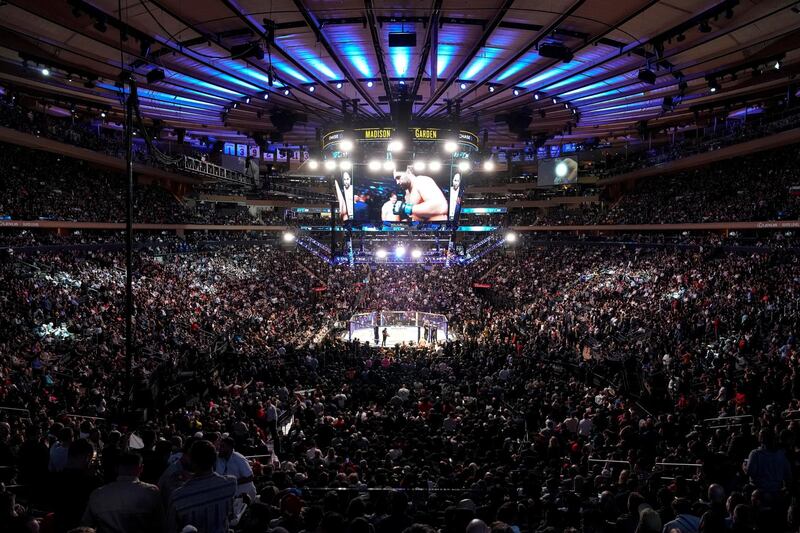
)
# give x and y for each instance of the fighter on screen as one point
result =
(345, 196)
(455, 197)
(424, 200)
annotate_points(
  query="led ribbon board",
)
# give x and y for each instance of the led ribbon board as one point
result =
(466, 138)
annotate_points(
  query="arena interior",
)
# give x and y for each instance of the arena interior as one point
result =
(399, 267)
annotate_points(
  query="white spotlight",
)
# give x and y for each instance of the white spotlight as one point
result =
(338, 85)
(103, 114)
(313, 164)
(777, 66)
(516, 92)
(46, 71)
(388, 166)
(311, 88)
(561, 169)
(374, 165)
(416, 253)
(288, 237)
(463, 166)
(536, 96)
(370, 84)
(511, 237)
(330, 164)
(400, 250)
(450, 147)
(380, 253)
(463, 86)
(345, 165)
(395, 145)
(346, 145)
(435, 166)
(488, 165)
(419, 165)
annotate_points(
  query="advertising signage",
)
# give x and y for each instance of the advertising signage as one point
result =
(466, 138)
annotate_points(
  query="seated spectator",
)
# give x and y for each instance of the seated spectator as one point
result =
(126, 505)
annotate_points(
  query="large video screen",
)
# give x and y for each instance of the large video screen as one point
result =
(558, 171)
(404, 195)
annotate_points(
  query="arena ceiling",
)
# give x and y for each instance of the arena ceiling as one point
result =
(497, 61)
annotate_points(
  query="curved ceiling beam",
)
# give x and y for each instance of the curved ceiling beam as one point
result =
(632, 47)
(21, 39)
(487, 32)
(259, 31)
(376, 44)
(131, 51)
(536, 40)
(634, 83)
(433, 24)
(675, 52)
(312, 22)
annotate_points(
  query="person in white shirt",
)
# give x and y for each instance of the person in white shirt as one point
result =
(387, 213)
(571, 423)
(313, 452)
(585, 426)
(272, 422)
(340, 399)
(403, 393)
(232, 463)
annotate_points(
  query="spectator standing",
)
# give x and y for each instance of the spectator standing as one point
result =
(205, 501)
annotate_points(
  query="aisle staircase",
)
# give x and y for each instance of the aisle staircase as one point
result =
(489, 270)
(309, 271)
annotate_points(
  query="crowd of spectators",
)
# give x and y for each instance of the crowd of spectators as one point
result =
(30, 189)
(39, 185)
(581, 378)
(718, 135)
(70, 127)
(233, 214)
(615, 388)
(750, 188)
(757, 187)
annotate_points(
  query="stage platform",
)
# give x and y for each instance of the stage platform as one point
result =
(397, 335)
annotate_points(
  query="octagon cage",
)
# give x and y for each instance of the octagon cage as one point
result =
(401, 327)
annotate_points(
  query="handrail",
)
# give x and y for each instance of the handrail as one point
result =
(211, 170)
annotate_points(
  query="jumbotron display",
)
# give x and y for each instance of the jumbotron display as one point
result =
(382, 175)
(414, 193)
